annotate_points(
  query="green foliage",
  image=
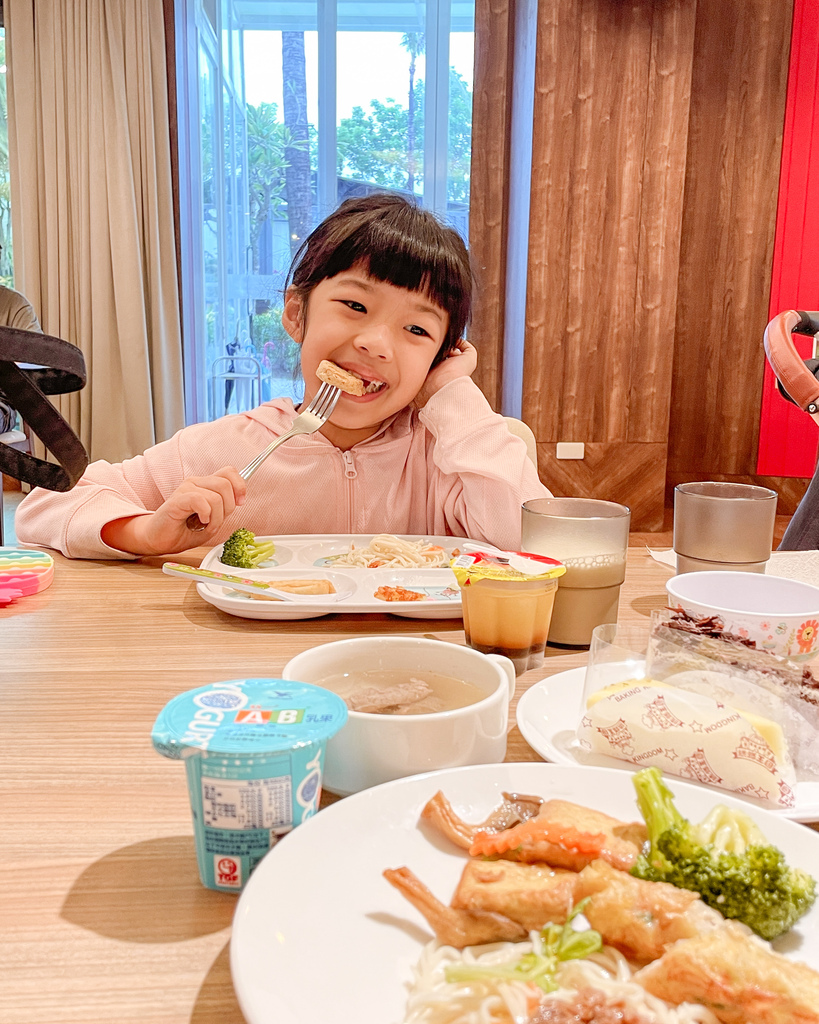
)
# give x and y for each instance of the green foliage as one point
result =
(726, 859)
(267, 140)
(373, 145)
(277, 350)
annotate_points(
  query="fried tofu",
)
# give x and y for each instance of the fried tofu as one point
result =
(332, 374)
(737, 976)
(641, 919)
(531, 894)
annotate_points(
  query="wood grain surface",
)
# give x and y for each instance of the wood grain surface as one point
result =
(610, 124)
(738, 95)
(656, 134)
(104, 920)
(489, 187)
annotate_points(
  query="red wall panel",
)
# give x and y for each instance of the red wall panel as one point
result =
(788, 437)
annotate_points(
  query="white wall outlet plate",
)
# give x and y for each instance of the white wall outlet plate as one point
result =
(571, 450)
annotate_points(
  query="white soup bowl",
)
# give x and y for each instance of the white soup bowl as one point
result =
(371, 749)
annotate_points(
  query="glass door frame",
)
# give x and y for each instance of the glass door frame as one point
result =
(193, 28)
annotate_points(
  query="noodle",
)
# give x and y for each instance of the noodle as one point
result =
(434, 1000)
(388, 552)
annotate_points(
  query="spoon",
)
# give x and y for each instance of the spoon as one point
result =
(237, 583)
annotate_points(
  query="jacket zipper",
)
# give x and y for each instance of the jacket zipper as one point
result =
(350, 473)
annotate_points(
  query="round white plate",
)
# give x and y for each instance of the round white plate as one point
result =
(320, 935)
(547, 716)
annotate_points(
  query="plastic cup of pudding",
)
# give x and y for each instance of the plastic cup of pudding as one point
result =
(507, 600)
(254, 755)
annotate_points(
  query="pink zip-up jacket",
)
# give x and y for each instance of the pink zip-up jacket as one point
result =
(451, 469)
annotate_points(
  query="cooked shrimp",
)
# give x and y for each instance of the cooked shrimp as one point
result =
(564, 835)
(540, 840)
(452, 927)
(641, 918)
(737, 976)
(514, 809)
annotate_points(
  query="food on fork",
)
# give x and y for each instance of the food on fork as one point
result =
(349, 382)
(243, 551)
(332, 374)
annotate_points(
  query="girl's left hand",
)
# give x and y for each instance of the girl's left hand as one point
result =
(460, 362)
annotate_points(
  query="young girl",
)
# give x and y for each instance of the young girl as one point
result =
(383, 290)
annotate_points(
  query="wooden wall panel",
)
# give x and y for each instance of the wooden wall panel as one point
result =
(634, 475)
(732, 171)
(491, 119)
(611, 111)
(656, 151)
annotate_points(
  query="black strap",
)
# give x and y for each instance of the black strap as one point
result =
(60, 369)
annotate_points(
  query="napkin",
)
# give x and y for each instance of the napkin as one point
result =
(691, 735)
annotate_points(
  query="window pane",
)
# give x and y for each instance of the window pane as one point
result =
(380, 136)
(270, 169)
(6, 262)
(209, 134)
(280, 85)
(461, 60)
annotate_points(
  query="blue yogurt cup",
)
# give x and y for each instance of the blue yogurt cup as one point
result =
(254, 754)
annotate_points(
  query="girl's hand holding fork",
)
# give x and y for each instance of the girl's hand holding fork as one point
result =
(213, 498)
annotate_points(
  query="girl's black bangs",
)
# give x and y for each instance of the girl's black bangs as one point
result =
(405, 261)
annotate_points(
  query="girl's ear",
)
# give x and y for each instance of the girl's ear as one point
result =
(293, 315)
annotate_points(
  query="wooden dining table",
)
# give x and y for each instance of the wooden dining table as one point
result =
(103, 919)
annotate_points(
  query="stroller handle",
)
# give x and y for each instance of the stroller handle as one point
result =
(796, 378)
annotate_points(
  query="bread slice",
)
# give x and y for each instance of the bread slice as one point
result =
(332, 374)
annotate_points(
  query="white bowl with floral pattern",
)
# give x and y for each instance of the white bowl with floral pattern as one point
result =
(780, 615)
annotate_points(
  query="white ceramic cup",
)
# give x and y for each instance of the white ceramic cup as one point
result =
(371, 749)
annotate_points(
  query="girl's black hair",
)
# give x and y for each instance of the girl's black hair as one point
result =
(391, 239)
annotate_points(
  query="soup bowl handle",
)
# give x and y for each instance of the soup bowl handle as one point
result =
(505, 665)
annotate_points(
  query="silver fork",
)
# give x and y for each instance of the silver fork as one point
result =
(308, 421)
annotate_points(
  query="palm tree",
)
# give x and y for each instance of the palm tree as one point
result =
(413, 43)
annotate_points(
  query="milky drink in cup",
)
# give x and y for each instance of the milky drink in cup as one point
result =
(507, 599)
(589, 595)
(590, 537)
(254, 754)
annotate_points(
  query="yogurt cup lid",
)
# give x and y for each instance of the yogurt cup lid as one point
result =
(247, 716)
(505, 565)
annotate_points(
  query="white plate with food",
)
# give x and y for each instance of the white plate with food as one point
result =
(320, 935)
(366, 574)
(548, 714)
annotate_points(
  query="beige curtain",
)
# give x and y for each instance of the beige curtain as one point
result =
(94, 246)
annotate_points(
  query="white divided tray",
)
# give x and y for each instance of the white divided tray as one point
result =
(305, 555)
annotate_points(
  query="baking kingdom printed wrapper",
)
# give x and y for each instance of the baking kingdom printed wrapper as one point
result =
(689, 735)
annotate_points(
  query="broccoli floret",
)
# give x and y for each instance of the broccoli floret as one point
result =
(242, 551)
(726, 859)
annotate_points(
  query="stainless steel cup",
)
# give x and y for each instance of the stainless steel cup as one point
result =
(723, 526)
(590, 538)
